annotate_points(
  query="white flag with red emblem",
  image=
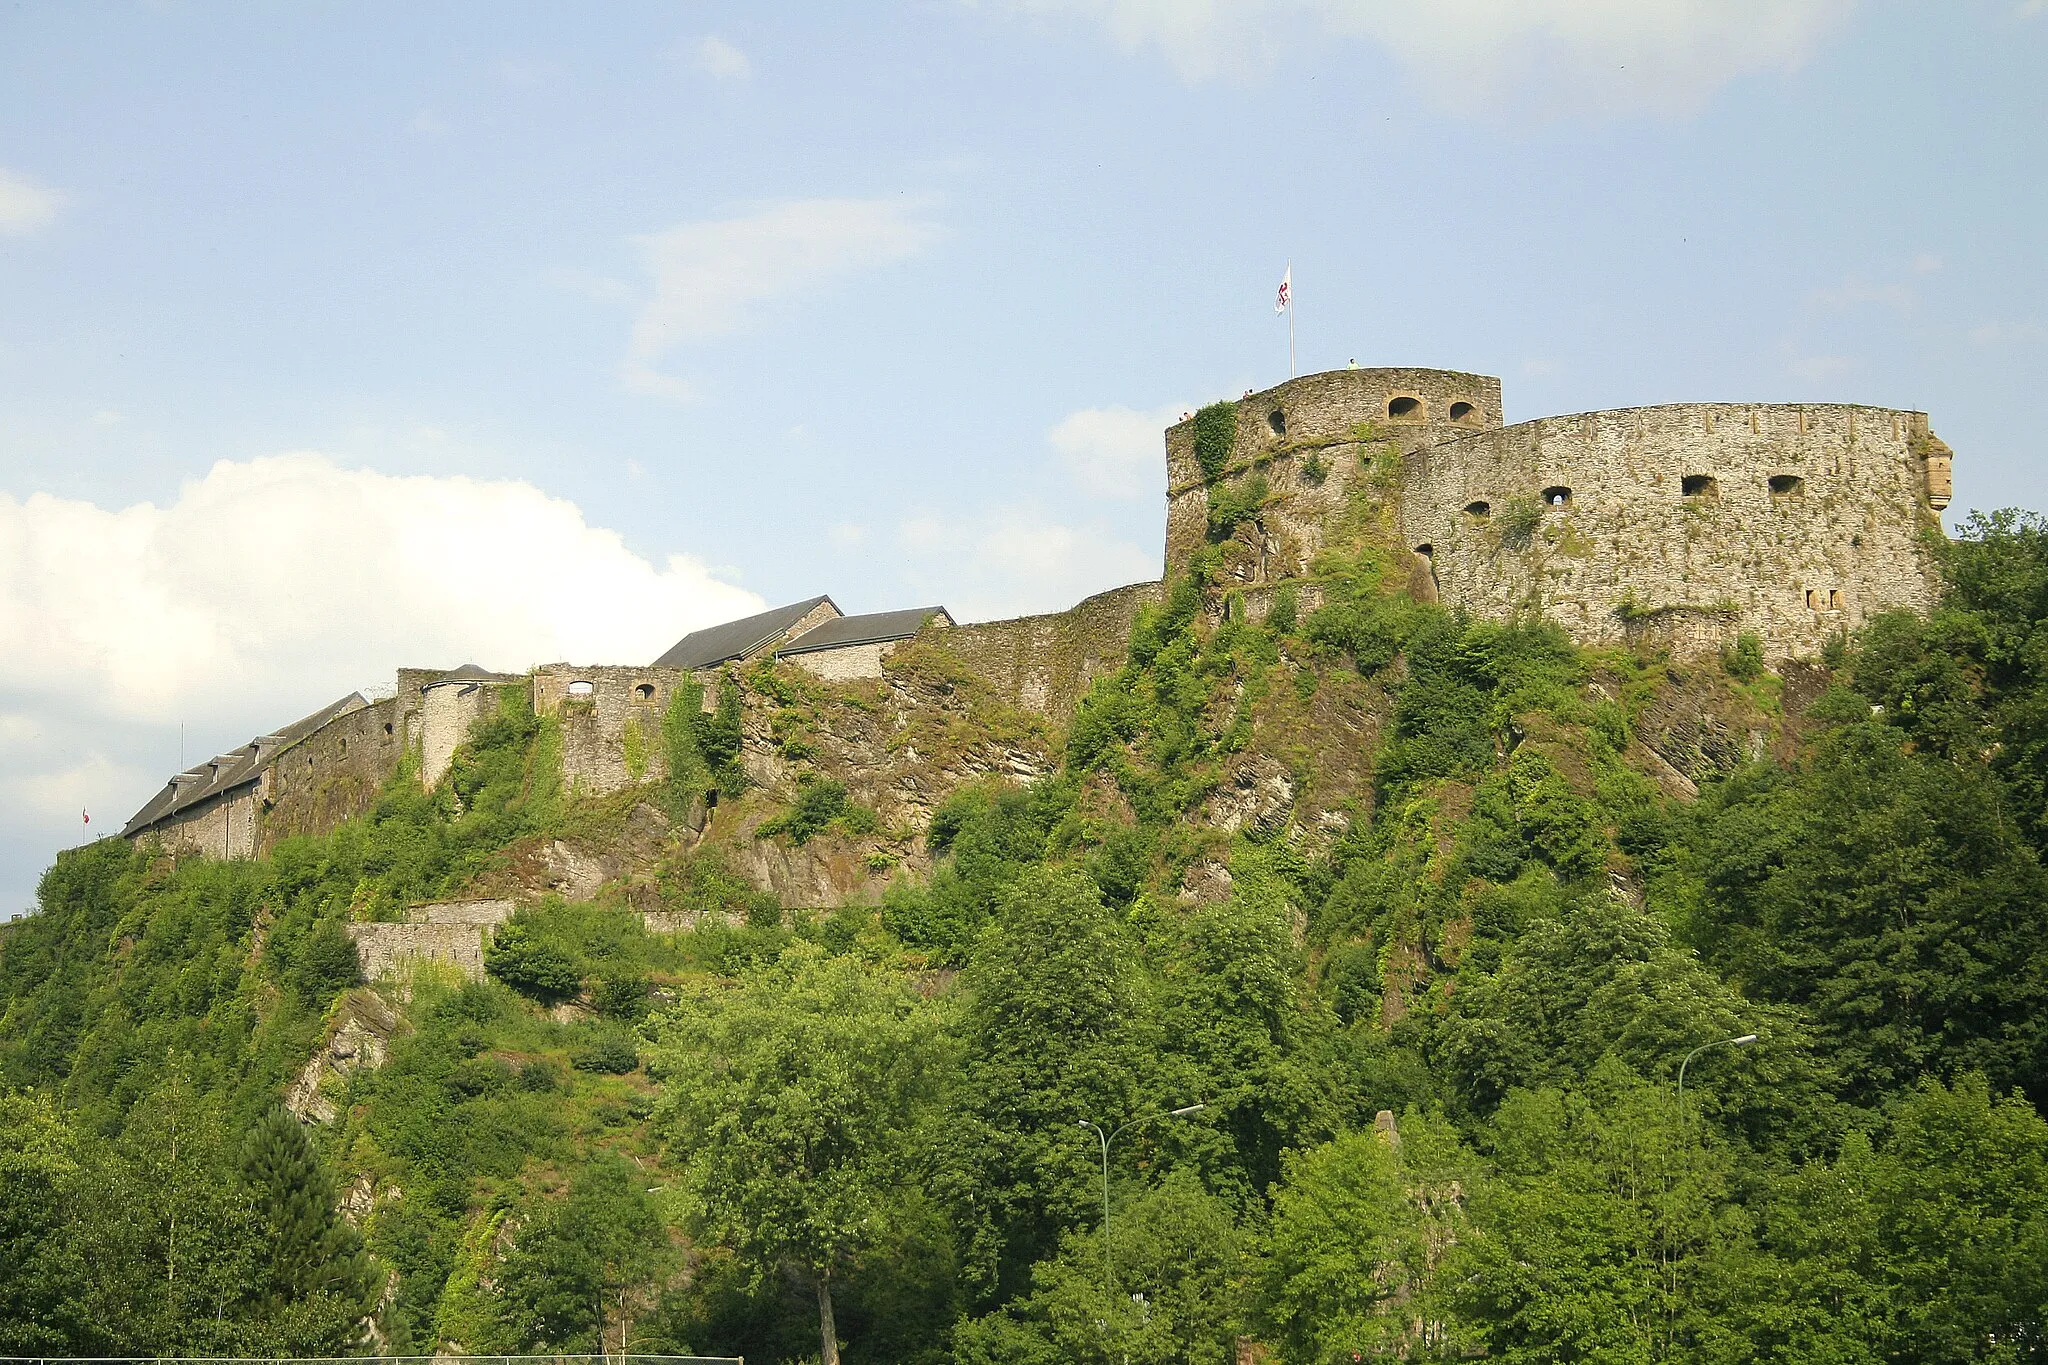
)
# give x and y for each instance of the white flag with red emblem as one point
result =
(1280, 304)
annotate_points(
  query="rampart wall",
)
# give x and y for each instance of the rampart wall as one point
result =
(1287, 432)
(611, 732)
(1045, 663)
(1690, 522)
(331, 775)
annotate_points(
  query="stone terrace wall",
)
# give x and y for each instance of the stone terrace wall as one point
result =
(1045, 663)
(1317, 413)
(333, 774)
(1631, 554)
(612, 737)
(448, 932)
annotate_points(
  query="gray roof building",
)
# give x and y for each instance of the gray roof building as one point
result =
(715, 645)
(874, 628)
(226, 772)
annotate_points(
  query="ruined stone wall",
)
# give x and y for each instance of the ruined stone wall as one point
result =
(333, 774)
(611, 736)
(447, 711)
(1670, 527)
(451, 933)
(1045, 663)
(1284, 433)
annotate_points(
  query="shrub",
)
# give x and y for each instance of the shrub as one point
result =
(1744, 659)
(610, 1053)
(1314, 469)
(1286, 611)
(1215, 437)
(820, 803)
(530, 965)
(1239, 502)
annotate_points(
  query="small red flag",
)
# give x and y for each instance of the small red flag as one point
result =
(83, 815)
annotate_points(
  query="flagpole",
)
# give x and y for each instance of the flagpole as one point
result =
(1290, 328)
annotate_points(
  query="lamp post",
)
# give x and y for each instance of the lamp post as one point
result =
(1108, 1269)
(1744, 1041)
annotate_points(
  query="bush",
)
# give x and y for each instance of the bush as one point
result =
(325, 963)
(820, 804)
(1286, 611)
(1215, 437)
(1239, 502)
(609, 1053)
(530, 965)
(1744, 659)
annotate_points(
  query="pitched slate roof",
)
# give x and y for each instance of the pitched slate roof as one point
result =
(874, 628)
(225, 772)
(737, 639)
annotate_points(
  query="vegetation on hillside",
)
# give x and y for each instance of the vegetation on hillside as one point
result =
(1435, 1046)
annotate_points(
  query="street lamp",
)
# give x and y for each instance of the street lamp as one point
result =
(1108, 1269)
(1744, 1041)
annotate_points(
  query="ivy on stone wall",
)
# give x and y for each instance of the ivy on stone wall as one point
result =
(1215, 437)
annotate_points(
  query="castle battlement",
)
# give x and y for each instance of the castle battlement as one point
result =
(1685, 522)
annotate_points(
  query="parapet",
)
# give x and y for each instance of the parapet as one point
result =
(1694, 521)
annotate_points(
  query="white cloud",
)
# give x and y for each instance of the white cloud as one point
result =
(719, 59)
(1011, 561)
(712, 277)
(2006, 333)
(1487, 56)
(272, 586)
(1854, 292)
(24, 205)
(1116, 452)
(1814, 368)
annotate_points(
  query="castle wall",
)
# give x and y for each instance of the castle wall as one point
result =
(611, 737)
(1287, 431)
(1631, 554)
(333, 774)
(846, 663)
(223, 827)
(1045, 663)
(447, 710)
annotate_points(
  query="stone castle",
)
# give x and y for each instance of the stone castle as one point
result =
(1681, 526)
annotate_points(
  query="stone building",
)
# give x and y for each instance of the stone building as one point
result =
(749, 637)
(850, 647)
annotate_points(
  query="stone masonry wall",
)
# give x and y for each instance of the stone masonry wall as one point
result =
(611, 737)
(1319, 416)
(333, 774)
(1045, 663)
(447, 711)
(847, 663)
(224, 827)
(449, 932)
(1637, 550)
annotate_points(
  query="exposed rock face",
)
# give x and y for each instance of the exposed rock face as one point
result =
(358, 1037)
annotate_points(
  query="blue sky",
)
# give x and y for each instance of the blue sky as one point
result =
(335, 337)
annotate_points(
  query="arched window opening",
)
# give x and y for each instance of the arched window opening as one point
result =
(1700, 486)
(1812, 600)
(387, 727)
(580, 688)
(341, 745)
(1464, 412)
(1277, 420)
(1427, 551)
(1557, 496)
(1834, 599)
(645, 692)
(1405, 409)
(1787, 486)
(1478, 510)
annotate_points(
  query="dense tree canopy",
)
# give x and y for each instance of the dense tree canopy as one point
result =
(1435, 1041)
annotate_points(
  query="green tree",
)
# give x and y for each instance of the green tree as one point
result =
(569, 1283)
(793, 1101)
(317, 1268)
(1177, 1299)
